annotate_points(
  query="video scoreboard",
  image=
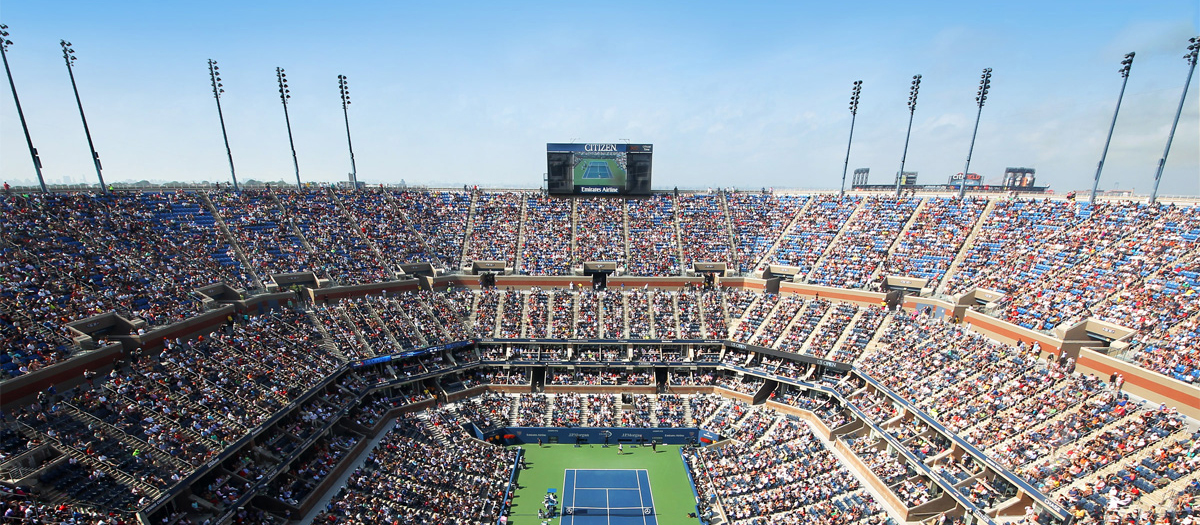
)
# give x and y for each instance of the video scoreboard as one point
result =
(598, 169)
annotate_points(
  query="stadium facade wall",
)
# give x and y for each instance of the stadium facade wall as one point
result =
(858, 297)
(881, 489)
(599, 389)
(601, 435)
(815, 422)
(1141, 382)
(65, 374)
(324, 295)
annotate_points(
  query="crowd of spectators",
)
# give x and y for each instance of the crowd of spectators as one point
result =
(599, 231)
(653, 236)
(705, 234)
(1113, 251)
(926, 249)
(495, 225)
(864, 243)
(803, 244)
(788, 474)
(343, 253)
(754, 217)
(410, 476)
(69, 256)
(546, 238)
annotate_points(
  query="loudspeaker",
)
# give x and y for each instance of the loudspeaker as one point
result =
(638, 168)
(558, 174)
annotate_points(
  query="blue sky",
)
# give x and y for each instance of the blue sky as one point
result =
(749, 94)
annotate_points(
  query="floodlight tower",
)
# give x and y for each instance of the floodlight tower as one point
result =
(214, 74)
(854, 94)
(1193, 50)
(344, 89)
(37, 163)
(1126, 65)
(985, 82)
(284, 95)
(69, 58)
(912, 108)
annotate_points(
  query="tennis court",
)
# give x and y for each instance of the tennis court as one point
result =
(597, 169)
(667, 484)
(607, 497)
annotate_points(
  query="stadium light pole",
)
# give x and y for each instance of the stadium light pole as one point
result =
(69, 58)
(985, 82)
(1193, 50)
(284, 95)
(1126, 65)
(37, 163)
(912, 108)
(344, 88)
(854, 94)
(214, 74)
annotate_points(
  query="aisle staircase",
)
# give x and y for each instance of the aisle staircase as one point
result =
(858, 209)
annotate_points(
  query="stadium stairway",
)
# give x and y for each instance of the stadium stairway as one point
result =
(574, 226)
(778, 309)
(677, 228)
(396, 204)
(812, 336)
(729, 234)
(525, 299)
(291, 223)
(844, 334)
(437, 432)
(874, 344)
(625, 227)
(223, 227)
(126, 438)
(357, 230)
(369, 310)
(674, 298)
(966, 247)
(432, 318)
(769, 254)
(346, 318)
(467, 229)
(912, 218)
(326, 339)
(733, 326)
(522, 225)
(106, 467)
(858, 208)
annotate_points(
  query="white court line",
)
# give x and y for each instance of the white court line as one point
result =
(648, 488)
(607, 515)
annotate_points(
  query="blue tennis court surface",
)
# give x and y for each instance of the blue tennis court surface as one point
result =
(607, 497)
(597, 169)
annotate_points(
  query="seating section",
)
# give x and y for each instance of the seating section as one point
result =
(339, 249)
(1056, 261)
(803, 244)
(785, 476)
(653, 237)
(410, 475)
(495, 226)
(599, 231)
(116, 444)
(756, 219)
(704, 229)
(865, 240)
(546, 234)
(386, 221)
(928, 246)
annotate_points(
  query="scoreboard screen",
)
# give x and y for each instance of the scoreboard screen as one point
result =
(598, 169)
